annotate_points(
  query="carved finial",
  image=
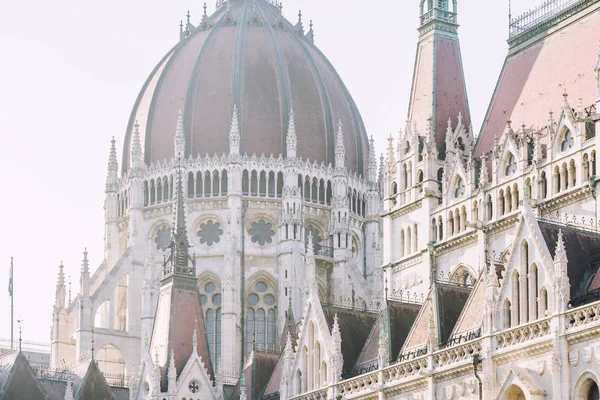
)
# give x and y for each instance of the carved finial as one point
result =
(181, 34)
(561, 252)
(291, 139)
(335, 329)
(136, 147)
(311, 33)
(340, 152)
(113, 168)
(84, 280)
(234, 132)
(60, 295)
(172, 374)
(179, 137)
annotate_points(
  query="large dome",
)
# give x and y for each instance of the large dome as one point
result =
(246, 54)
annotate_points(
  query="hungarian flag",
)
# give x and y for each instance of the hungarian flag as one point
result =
(10, 279)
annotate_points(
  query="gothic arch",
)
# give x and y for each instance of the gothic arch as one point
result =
(260, 276)
(111, 360)
(463, 274)
(586, 387)
(208, 276)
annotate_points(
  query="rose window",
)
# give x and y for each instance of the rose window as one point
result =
(261, 232)
(163, 238)
(194, 387)
(210, 233)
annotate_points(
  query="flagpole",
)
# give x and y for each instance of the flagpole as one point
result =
(12, 305)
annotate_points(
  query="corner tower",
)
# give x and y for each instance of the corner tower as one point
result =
(438, 89)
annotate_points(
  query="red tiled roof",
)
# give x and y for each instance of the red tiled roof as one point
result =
(533, 79)
(178, 313)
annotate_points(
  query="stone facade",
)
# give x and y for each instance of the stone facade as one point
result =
(456, 267)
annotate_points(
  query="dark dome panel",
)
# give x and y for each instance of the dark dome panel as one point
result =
(212, 97)
(250, 56)
(170, 94)
(261, 114)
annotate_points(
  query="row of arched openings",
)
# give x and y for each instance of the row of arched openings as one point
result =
(527, 300)
(409, 241)
(157, 191)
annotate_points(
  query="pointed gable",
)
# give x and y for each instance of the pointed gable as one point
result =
(93, 386)
(582, 254)
(177, 315)
(451, 300)
(471, 317)
(398, 318)
(257, 374)
(21, 382)
(417, 338)
(355, 327)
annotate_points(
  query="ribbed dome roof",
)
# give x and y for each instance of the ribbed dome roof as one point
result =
(246, 54)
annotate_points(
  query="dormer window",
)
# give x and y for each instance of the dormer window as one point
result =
(459, 144)
(511, 165)
(567, 142)
(460, 188)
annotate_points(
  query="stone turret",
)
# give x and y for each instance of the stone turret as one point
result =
(561, 284)
(111, 229)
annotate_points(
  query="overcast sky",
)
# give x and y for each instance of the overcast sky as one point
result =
(71, 71)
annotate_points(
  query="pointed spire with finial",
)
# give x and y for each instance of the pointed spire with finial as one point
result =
(181, 34)
(172, 375)
(560, 254)
(179, 137)
(113, 168)
(291, 140)
(310, 35)
(234, 132)
(136, 148)
(391, 156)
(84, 280)
(179, 259)
(340, 151)
(372, 167)
(60, 296)
(299, 27)
(195, 340)
(335, 330)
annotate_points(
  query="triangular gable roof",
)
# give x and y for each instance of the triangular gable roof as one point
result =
(93, 386)
(55, 390)
(355, 327)
(420, 329)
(259, 369)
(582, 255)
(275, 380)
(178, 314)
(21, 382)
(399, 318)
(471, 317)
(451, 301)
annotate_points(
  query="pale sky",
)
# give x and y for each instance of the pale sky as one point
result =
(71, 71)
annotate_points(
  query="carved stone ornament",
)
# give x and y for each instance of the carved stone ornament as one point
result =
(574, 358)
(586, 355)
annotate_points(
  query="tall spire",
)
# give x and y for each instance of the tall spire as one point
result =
(234, 132)
(85, 275)
(438, 88)
(291, 141)
(179, 137)
(340, 152)
(60, 287)
(172, 375)
(136, 148)
(113, 168)
(372, 168)
(179, 260)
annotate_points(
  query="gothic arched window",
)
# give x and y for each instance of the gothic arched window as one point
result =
(460, 188)
(567, 141)
(511, 165)
(261, 317)
(210, 299)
